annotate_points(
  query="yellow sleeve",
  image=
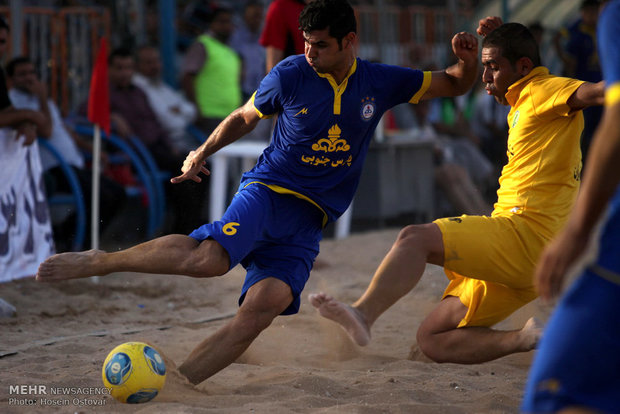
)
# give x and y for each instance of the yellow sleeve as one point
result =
(426, 82)
(612, 94)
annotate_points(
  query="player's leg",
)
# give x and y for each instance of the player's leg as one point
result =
(263, 302)
(210, 250)
(440, 339)
(278, 267)
(399, 272)
(171, 254)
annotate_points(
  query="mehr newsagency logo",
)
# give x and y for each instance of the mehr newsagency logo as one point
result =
(52, 396)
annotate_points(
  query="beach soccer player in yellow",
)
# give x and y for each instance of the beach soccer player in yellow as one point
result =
(490, 260)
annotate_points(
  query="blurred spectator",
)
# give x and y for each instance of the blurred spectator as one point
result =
(453, 179)
(538, 31)
(212, 71)
(132, 115)
(450, 119)
(25, 93)
(576, 47)
(192, 22)
(489, 123)
(576, 44)
(25, 228)
(173, 110)
(281, 35)
(245, 41)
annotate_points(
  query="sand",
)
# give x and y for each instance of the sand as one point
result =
(301, 364)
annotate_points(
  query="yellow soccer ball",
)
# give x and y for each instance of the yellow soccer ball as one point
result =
(134, 372)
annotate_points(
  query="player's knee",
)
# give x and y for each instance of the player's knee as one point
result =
(407, 235)
(252, 321)
(209, 259)
(411, 236)
(430, 345)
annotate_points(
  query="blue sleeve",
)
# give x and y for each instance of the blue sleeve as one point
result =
(268, 97)
(401, 84)
(609, 43)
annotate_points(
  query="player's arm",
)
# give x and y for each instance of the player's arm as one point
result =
(588, 94)
(240, 122)
(601, 178)
(488, 24)
(459, 78)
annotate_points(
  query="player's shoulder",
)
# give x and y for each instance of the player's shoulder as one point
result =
(542, 78)
(380, 68)
(292, 66)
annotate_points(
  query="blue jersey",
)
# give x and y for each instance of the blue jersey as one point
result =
(323, 130)
(609, 48)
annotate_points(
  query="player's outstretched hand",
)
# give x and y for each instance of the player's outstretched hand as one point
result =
(192, 167)
(488, 24)
(556, 260)
(465, 46)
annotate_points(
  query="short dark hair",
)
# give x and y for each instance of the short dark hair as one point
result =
(252, 3)
(337, 15)
(216, 10)
(13, 63)
(121, 52)
(4, 24)
(589, 3)
(514, 41)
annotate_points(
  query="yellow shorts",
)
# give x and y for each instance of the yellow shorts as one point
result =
(490, 263)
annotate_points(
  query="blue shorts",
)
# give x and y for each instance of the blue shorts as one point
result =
(271, 235)
(578, 362)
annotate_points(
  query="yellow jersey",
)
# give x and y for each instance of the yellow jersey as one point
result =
(541, 178)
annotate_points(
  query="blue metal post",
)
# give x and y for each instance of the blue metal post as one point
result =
(168, 40)
(505, 11)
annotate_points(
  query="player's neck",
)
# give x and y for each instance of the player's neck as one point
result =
(341, 73)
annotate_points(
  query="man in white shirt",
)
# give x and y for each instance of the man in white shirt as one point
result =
(173, 110)
(25, 93)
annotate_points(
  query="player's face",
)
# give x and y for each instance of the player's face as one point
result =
(498, 73)
(323, 53)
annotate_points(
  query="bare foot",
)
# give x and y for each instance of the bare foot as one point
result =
(531, 333)
(72, 265)
(348, 317)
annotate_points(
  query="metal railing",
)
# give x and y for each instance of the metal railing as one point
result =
(62, 43)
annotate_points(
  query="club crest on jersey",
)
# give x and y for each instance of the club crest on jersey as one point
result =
(515, 119)
(368, 108)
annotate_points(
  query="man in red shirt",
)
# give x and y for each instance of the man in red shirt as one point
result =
(281, 36)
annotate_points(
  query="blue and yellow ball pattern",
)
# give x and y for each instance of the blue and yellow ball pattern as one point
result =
(134, 372)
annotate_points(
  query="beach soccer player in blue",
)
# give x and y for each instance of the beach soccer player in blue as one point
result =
(328, 103)
(577, 366)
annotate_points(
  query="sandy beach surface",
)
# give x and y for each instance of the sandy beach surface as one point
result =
(301, 364)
